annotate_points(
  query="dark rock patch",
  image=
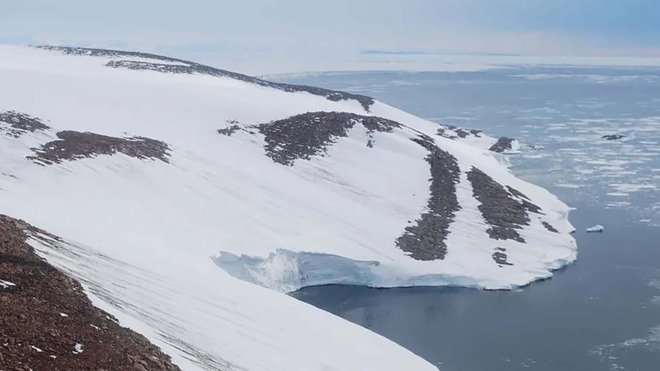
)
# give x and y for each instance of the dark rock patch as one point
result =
(443, 133)
(35, 335)
(74, 145)
(531, 207)
(15, 124)
(516, 193)
(229, 130)
(549, 227)
(499, 208)
(502, 144)
(613, 136)
(376, 124)
(192, 67)
(527, 204)
(310, 134)
(500, 258)
(159, 67)
(426, 141)
(426, 239)
(461, 133)
(93, 52)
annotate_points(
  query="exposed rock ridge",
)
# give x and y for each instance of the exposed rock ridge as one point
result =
(16, 124)
(503, 144)
(501, 208)
(312, 133)
(453, 132)
(188, 67)
(74, 145)
(426, 239)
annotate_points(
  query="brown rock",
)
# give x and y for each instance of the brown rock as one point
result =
(30, 317)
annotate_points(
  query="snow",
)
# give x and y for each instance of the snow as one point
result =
(78, 348)
(149, 240)
(6, 284)
(596, 228)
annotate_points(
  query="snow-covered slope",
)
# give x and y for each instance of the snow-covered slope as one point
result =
(172, 183)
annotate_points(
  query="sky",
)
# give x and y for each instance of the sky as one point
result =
(271, 36)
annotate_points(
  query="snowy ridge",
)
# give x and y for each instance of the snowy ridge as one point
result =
(173, 187)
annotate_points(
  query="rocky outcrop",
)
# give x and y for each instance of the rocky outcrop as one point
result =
(462, 133)
(48, 323)
(229, 130)
(311, 134)
(426, 239)
(549, 227)
(16, 124)
(454, 132)
(500, 257)
(503, 144)
(502, 211)
(74, 145)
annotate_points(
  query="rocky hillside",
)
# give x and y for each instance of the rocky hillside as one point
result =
(47, 321)
(190, 199)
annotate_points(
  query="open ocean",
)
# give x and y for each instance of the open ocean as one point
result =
(601, 313)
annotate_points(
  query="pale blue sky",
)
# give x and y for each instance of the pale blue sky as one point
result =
(310, 34)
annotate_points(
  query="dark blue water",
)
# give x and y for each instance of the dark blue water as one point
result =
(601, 313)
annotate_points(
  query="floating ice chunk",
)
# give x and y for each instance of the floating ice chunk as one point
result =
(596, 228)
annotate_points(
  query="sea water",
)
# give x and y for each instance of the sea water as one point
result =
(600, 313)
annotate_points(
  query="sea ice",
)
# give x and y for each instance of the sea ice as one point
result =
(596, 228)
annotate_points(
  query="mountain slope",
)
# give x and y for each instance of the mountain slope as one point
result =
(169, 180)
(47, 321)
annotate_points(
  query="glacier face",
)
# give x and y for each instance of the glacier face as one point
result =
(156, 172)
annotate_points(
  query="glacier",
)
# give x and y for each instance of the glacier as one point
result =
(189, 200)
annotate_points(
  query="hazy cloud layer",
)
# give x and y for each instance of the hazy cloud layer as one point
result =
(263, 36)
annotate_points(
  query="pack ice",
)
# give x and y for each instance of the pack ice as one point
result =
(188, 200)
